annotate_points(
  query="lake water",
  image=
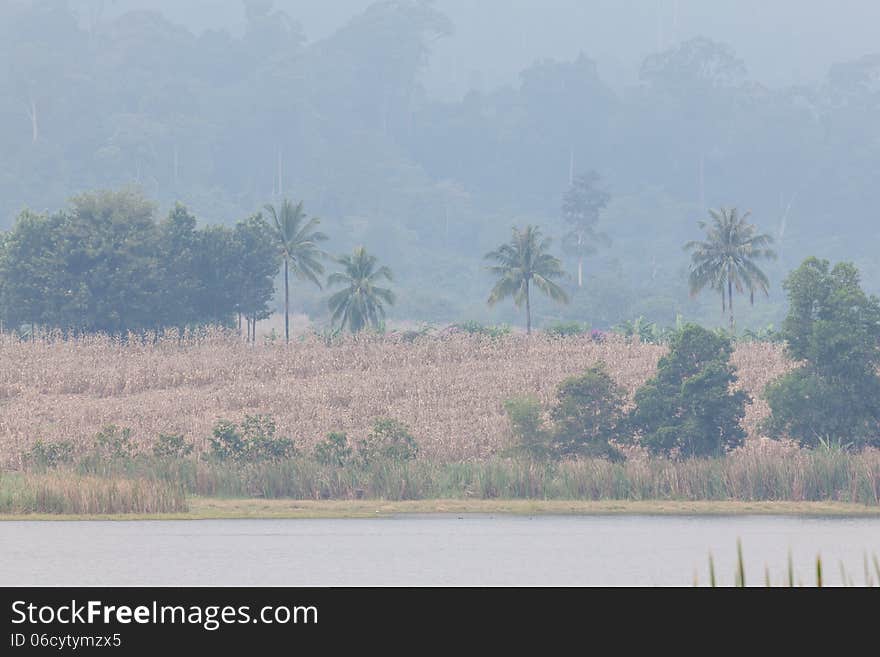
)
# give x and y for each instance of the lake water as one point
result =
(433, 550)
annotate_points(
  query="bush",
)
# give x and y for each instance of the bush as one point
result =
(333, 450)
(113, 442)
(389, 439)
(253, 440)
(527, 425)
(640, 328)
(688, 408)
(833, 328)
(565, 329)
(173, 446)
(475, 328)
(587, 415)
(766, 334)
(50, 454)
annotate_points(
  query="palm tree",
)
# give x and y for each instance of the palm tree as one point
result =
(521, 262)
(361, 302)
(297, 240)
(725, 261)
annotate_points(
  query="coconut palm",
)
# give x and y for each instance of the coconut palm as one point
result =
(361, 302)
(522, 262)
(725, 260)
(297, 240)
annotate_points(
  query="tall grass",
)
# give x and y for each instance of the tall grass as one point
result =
(744, 476)
(68, 493)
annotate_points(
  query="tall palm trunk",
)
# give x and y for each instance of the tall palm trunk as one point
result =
(528, 310)
(35, 126)
(286, 307)
(730, 301)
(580, 261)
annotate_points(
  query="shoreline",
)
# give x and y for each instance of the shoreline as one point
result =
(202, 508)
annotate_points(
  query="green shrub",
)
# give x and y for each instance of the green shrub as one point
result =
(688, 407)
(172, 446)
(833, 328)
(475, 328)
(252, 440)
(334, 450)
(49, 454)
(389, 440)
(527, 425)
(640, 328)
(113, 442)
(587, 415)
(767, 334)
(564, 329)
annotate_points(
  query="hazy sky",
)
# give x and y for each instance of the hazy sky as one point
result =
(782, 41)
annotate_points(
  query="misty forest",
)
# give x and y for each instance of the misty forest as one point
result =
(426, 162)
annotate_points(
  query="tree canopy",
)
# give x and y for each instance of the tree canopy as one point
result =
(833, 329)
(106, 265)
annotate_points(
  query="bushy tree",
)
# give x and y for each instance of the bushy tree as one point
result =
(217, 270)
(178, 253)
(583, 422)
(109, 264)
(587, 414)
(833, 329)
(389, 439)
(333, 450)
(688, 408)
(253, 439)
(256, 266)
(526, 422)
(28, 270)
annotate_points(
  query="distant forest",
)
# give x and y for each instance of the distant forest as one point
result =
(225, 124)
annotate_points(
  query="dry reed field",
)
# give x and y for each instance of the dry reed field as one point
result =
(448, 389)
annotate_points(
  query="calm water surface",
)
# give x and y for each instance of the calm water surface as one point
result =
(432, 550)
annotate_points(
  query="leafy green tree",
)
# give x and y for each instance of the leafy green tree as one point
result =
(218, 270)
(688, 408)
(522, 262)
(526, 422)
(362, 302)
(251, 440)
(108, 252)
(29, 270)
(297, 241)
(726, 260)
(255, 269)
(833, 329)
(389, 439)
(333, 450)
(581, 206)
(177, 255)
(587, 415)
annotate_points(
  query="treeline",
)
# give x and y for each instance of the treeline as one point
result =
(106, 265)
(224, 121)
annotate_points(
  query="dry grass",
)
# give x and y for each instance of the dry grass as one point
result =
(66, 493)
(448, 389)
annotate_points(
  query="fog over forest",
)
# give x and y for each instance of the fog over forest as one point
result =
(426, 130)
